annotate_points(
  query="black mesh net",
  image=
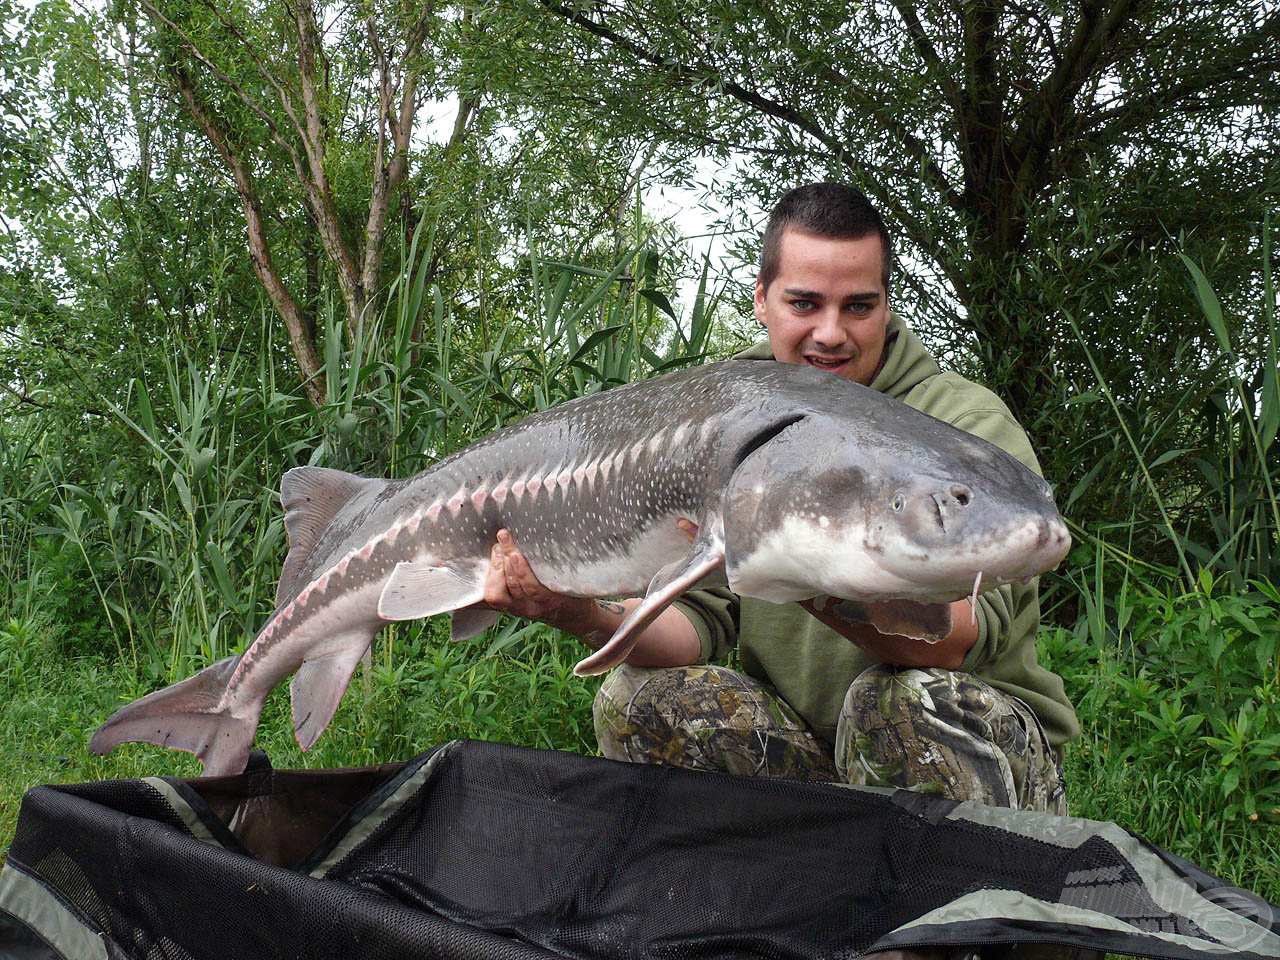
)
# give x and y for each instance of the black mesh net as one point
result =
(510, 853)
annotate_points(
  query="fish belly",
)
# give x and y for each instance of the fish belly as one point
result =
(620, 570)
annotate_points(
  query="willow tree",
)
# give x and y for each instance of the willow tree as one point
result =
(1014, 147)
(321, 99)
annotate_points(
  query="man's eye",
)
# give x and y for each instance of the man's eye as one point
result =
(802, 305)
(860, 308)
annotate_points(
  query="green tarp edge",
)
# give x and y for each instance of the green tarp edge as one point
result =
(29, 901)
(1015, 906)
(1159, 882)
(360, 831)
(195, 826)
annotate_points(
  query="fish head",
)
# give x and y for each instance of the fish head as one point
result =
(826, 508)
(932, 529)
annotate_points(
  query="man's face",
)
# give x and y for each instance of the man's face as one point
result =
(827, 306)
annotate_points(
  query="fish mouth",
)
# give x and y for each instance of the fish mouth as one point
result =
(1031, 549)
(1048, 544)
(1014, 554)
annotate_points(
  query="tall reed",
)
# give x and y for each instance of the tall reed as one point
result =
(1225, 515)
(178, 535)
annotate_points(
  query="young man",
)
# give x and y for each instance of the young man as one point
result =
(972, 717)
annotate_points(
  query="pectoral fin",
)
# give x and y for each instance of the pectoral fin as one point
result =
(930, 622)
(422, 588)
(705, 561)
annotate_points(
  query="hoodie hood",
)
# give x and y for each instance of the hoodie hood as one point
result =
(905, 365)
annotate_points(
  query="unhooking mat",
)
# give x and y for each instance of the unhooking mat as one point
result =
(478, 850)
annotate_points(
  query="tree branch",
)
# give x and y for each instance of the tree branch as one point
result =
(981, 108)
(1224, 71)
(916, 148)
(925, 50)
(389, 172)
(304, 348)
(704, 75)
(1033, 17)
(1052, 108)
(317, 185)
(24, 397)
(286, 101)
(190, 45)
(380, 195)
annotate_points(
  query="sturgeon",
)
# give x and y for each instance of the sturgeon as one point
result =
(802, 484)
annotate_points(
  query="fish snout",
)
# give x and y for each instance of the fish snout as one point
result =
(1058, 540)
(937, 510)
(1044, 542)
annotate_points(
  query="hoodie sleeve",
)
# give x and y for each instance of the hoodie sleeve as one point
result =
(714, 614)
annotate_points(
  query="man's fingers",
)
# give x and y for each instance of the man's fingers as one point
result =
(496, 593)
(688, 528)
(521, 592)
(506, 552)
(521, 580)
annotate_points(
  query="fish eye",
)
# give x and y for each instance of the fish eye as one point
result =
(899, 503)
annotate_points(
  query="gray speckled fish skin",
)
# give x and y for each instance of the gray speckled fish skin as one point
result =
(802, 484)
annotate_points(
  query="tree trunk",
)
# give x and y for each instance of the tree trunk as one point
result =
(301, 332)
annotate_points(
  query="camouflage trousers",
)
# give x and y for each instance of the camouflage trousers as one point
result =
(932, 730)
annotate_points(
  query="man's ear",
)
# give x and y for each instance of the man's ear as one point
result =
(758, 308)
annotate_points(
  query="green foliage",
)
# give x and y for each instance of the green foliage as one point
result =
(437, 690)
(1179, 699)
(164, 545)
(1186, 449)
(1010, 147)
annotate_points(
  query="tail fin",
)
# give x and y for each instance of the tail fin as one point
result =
(185, 716)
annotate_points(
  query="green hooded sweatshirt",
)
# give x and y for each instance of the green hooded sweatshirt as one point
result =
(812, 666)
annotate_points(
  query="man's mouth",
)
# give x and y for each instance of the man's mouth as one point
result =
(827, 363)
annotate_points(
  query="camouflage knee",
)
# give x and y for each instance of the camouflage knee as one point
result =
(947, 733)
(706, 718)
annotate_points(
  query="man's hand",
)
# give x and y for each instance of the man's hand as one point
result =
(511, 586)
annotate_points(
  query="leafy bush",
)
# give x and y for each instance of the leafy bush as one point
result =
(1179, 700)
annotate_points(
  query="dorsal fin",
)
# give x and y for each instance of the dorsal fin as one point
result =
(311, 497)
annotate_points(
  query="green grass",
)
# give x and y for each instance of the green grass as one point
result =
(420, 691)
(1175, 748)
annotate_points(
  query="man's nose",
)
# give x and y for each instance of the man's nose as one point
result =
(827, 331)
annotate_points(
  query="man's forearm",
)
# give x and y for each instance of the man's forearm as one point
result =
(670, 641)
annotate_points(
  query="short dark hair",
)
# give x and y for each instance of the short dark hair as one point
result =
(834, 210)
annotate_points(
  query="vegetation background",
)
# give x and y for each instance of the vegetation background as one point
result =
(242, 236)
